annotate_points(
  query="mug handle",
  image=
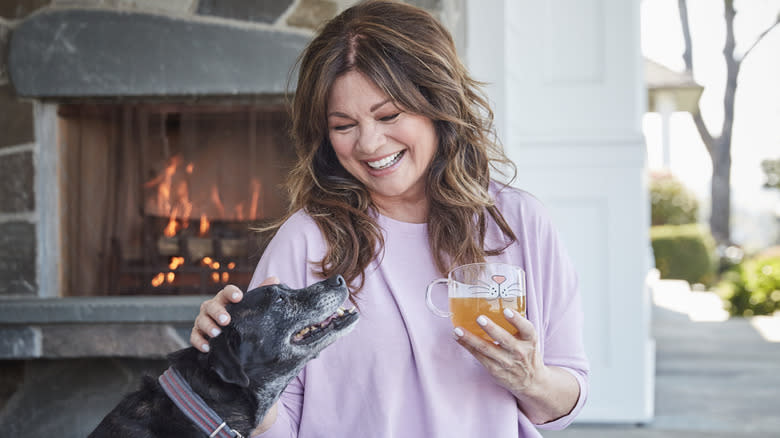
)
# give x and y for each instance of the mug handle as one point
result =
(436, 311)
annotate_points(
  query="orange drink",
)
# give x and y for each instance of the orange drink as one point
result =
(466, 310)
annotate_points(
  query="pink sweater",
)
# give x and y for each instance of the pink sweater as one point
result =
(400, 373)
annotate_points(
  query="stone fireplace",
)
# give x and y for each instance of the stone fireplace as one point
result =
(140, 141)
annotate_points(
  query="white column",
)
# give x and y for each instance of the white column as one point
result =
(665, 106)
(567, 85)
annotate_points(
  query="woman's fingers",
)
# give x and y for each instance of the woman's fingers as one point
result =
(485, 352)
(525, 330)
(512, 360)
(213, 314)
(198, 341)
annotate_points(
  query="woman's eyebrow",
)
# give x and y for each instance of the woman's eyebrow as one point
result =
(375, 106)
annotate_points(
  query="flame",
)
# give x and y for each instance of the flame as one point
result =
(163, 183)
(158, 279)
(204, 225)
(183, 202)
(215, 277)
(215, 266)
(170, 277)
(256, 187)
(240, 211)
(225, 277)
(190, 167)
(172, 227)
(217, 201)
(206, 260)
(175, 263)
(232, 265)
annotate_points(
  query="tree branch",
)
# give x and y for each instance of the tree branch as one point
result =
(760, 37)
(682, 5)
(704, 133)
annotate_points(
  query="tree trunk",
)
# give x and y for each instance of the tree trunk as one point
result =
(720, 213)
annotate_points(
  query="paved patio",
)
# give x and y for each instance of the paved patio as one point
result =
(715, 377)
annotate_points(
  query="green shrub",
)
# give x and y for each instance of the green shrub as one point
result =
(671, 202)
(684, 252)
(752, 287)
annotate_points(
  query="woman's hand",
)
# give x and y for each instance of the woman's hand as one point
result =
(543, 393)
(212, 314)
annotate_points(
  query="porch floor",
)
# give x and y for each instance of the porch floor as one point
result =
(715, 377)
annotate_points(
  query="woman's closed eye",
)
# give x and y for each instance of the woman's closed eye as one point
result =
(343, 127)
(390, 117)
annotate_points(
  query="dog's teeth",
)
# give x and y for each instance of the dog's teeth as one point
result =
(340, 311)
(352, 310)
(304, 331)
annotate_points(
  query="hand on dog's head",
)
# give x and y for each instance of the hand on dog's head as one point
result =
(257, 346)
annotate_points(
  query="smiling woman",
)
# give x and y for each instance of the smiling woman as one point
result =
(392, 188)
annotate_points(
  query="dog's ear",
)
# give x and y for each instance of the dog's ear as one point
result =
(224, 360)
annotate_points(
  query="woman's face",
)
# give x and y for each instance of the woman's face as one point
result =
(385, 147)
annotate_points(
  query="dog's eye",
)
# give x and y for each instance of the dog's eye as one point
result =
(280, 299)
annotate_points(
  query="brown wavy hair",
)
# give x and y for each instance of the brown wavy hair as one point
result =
(411, 57)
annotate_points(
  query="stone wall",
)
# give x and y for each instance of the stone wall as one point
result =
(17, 148)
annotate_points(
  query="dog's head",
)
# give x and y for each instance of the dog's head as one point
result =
(275, 330)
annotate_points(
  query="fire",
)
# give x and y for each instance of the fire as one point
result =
(175, 263)
(204, 225)
(158, 279)
(225, 277)
(217, 200)
(256, 187)
(215, 277)
(172, 228)
(169, 277)
(232, 265)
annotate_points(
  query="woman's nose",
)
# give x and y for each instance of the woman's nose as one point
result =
(371, 138)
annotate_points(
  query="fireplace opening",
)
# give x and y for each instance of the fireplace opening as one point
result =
(161, 199)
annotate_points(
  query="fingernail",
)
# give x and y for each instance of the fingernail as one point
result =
(509, 313)
(205, 347)
(215, 332)
(482, 320)
(236, 295)
(223, 318)
(458, 332)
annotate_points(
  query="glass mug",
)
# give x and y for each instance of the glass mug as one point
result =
(481, 289)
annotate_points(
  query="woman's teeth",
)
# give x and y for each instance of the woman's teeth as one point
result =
(385, 162)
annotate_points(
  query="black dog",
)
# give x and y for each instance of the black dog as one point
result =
(273, 332)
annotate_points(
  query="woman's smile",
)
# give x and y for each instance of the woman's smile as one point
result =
(386, 162)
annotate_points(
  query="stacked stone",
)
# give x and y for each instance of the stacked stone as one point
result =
(17, 156)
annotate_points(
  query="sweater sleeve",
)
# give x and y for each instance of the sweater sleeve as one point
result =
(291, 256)
(562, 316)
(552, 284)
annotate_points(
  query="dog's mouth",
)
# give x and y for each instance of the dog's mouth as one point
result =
(339, 320)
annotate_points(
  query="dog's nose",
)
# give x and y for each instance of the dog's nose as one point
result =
(336, 281)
